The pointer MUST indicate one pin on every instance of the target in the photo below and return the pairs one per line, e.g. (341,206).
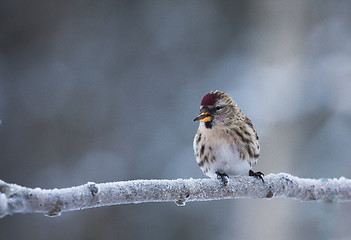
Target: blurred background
(107,91)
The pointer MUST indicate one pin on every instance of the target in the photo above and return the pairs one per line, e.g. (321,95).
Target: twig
(18,199)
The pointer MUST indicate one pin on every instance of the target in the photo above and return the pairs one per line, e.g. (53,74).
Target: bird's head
(217,108)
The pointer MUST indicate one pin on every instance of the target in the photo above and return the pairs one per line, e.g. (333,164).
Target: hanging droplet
(53,214)
(180,202)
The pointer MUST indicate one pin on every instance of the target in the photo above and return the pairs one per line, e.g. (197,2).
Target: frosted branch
(52,202)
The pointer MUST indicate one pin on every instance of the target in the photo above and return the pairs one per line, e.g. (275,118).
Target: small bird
(226,142)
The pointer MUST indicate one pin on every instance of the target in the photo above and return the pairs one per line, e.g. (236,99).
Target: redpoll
(226,142)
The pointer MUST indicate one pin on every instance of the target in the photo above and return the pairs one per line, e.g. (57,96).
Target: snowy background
(107,90)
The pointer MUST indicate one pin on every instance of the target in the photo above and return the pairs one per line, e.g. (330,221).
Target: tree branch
(52,202)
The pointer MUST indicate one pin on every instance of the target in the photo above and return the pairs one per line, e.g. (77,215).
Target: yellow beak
(204,117)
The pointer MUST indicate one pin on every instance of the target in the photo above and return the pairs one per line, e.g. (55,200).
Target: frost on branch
(52,202)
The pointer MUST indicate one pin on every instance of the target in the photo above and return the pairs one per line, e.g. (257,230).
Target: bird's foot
(223,177)
(256,175)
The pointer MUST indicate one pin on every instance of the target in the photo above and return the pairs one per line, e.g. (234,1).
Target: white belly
(228,161)
(224,149)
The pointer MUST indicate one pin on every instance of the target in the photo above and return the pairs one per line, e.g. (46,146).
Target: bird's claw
(223,177)
(256,175)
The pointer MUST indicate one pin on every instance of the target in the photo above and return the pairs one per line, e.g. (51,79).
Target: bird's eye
(219,108)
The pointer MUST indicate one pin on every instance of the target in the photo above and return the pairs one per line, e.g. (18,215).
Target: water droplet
(269,194)
(53,214)
(180,202)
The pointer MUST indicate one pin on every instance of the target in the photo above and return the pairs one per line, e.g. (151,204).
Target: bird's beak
(204,117)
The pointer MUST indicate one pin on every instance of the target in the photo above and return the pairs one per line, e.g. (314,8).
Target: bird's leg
(256,175)
(223,177)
